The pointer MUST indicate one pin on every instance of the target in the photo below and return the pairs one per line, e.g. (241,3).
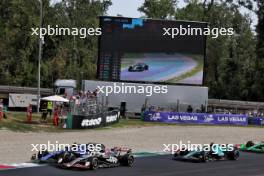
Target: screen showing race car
(162,67)
(137,50)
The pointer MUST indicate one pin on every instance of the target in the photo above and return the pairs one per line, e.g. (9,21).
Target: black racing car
(94,160)
(139,67)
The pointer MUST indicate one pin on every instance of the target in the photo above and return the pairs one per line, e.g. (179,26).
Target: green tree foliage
(230,66)
(63,56)
(17,48)
(234,68)
(259,77)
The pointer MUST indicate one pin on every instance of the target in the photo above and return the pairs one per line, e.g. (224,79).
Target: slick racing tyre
(94,164)
(205,157)
(233,155)
(128,160)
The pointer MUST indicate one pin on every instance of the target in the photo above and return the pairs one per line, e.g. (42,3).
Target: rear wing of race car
(122,149)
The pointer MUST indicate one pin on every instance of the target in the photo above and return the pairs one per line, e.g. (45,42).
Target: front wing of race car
(46,157)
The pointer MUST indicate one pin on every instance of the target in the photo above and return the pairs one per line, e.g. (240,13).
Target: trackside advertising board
(196,118)
(95,121)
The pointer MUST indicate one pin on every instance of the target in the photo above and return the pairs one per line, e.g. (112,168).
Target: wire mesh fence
(88,105)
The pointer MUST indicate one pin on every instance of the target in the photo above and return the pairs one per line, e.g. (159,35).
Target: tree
(230,60)
(258,87)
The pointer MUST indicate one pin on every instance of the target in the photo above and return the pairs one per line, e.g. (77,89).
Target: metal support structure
(40,54)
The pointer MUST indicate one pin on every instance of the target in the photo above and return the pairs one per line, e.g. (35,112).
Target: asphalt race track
(162,67)
(249,164)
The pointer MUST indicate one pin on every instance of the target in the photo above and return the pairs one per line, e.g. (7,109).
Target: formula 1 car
(205,156)
(94,160)
(139,67)
(252,147)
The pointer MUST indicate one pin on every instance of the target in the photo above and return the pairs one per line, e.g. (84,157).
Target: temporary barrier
(196,118)
(259,121)
(95,121)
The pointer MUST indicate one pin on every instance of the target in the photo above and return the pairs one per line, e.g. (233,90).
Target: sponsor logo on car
(112,159)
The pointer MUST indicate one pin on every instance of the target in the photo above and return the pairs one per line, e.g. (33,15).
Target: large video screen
(136,50)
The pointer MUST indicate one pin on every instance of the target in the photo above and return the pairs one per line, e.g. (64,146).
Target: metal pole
(40,54)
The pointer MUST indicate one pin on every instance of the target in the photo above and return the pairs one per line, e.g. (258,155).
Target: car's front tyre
(94,164)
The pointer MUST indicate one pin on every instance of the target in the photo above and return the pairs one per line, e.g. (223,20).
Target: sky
(121,7)
(128,8)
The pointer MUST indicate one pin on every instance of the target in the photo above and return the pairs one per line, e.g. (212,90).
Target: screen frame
(151,82)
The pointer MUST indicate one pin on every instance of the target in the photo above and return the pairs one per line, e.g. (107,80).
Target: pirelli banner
(95,121)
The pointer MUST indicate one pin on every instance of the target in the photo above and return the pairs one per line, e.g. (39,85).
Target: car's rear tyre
(233,155)
(129,68)
(128,160)
(94,164)
(205,157)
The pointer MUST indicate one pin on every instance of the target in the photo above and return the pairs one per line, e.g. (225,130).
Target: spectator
(63,115)
(202,108)
(44,112)
(89,94)
(189,109)
(95,92)
(1,109)
(56,116)
(29,113)
(49,108)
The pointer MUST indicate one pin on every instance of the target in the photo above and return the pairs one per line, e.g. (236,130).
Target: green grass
(191,73)
(137,123)
(126,123)
(14,126)
(16,122)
